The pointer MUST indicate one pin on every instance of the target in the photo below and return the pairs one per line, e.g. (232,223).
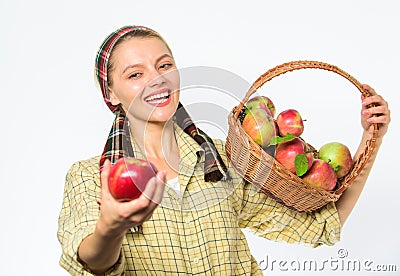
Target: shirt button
(187,220)
(196,260)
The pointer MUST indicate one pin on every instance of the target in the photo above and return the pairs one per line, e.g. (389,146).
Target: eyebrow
(136,65)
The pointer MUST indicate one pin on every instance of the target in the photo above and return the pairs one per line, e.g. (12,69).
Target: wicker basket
(262,170)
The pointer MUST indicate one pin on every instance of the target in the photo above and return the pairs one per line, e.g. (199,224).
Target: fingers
(152,194)
(155,188)
(379,120)
(377,100)
(375,110)
(369,89)
(374,104)
(142,208)
(376,114)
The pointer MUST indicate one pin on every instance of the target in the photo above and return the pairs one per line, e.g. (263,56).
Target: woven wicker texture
(272,178)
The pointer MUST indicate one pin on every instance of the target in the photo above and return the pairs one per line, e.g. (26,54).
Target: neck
(155,139)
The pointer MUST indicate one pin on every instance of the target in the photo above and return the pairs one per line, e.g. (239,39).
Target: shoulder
(82,177)
(85,167)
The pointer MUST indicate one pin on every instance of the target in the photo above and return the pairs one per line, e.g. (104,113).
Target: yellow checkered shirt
(195,233)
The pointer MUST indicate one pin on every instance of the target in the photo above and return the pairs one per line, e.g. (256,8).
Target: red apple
(128,178)
(338,156)
(290,122)
(259,125)
(261,102)
(287,151)
(321,175)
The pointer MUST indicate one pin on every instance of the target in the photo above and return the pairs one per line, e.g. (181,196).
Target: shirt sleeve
(79,214)
(274,221)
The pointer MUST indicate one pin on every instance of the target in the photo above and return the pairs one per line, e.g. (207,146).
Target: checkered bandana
(118,144)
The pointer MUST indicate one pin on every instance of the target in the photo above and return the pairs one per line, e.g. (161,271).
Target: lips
(159,98)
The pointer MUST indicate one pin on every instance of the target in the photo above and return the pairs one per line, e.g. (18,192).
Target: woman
(196,228)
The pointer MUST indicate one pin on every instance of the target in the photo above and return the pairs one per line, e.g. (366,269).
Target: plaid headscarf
(119,145)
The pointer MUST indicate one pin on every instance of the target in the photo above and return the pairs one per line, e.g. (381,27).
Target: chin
(162,115)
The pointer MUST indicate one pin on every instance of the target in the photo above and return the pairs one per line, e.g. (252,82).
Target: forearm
(349,197)
(100,250)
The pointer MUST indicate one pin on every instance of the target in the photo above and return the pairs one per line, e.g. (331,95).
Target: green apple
(338,156)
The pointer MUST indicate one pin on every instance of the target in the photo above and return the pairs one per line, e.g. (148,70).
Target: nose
(156,78)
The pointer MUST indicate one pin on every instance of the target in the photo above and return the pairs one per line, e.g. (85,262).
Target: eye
(135,75)
(166,65)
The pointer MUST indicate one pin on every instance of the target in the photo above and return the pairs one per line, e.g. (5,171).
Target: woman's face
(145,80)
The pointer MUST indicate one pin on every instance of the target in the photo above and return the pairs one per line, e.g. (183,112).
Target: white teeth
(157,96)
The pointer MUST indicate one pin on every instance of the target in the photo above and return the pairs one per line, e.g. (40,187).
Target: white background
(52,113)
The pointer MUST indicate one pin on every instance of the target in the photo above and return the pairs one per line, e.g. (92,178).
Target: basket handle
(304,64)
(296,65)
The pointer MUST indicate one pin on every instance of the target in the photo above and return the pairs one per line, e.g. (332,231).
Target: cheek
(173,79)
(129,92)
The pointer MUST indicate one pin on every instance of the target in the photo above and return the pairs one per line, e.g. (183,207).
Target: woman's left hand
(377,114)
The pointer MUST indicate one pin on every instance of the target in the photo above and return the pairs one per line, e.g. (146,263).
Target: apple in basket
(321,175)
(261,102)
(128,177)
(260,126)
(287,154)
(338,156)
(290,122)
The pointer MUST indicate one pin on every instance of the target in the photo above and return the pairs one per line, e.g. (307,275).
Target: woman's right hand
(117,217)
(101,250)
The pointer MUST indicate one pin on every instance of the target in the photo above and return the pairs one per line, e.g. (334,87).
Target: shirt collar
(188,147)
(196,152)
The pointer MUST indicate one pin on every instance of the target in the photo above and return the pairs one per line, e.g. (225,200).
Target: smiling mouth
(159,98)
